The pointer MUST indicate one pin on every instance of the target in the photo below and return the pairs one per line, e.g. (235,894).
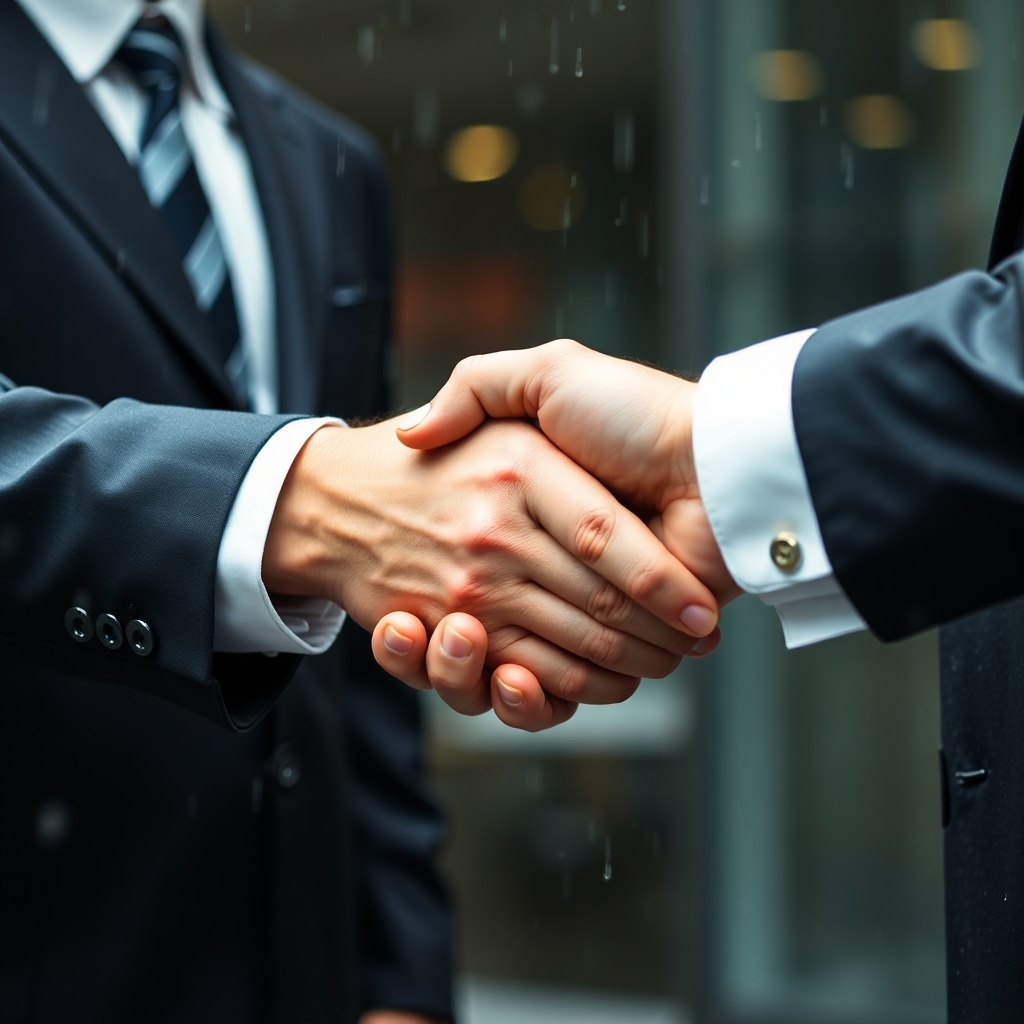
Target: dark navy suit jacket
(910,422)
(156,861)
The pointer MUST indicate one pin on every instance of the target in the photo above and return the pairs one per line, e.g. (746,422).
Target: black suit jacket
(157,863)
(910,422)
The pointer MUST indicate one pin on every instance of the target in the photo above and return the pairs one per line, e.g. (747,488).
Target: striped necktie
(153,53)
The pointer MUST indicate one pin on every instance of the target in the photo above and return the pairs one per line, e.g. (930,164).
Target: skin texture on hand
(628,424)
(500,525)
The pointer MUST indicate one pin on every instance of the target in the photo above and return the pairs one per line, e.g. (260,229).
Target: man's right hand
(566,582)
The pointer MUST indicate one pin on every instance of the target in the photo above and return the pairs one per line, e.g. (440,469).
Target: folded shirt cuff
(246,617)
(754,488)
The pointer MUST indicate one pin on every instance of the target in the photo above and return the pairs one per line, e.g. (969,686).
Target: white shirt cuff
(246,619)
(753,486)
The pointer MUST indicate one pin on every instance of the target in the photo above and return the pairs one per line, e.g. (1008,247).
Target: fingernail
(509,694)
(698,620)
(414,418)
(455,645)
(395,642)
(703,646)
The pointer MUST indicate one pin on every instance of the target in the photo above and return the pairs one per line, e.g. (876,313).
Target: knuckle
(611,606)
(646,581)
(593,532)
(467,589)
(604,647)
(571,683)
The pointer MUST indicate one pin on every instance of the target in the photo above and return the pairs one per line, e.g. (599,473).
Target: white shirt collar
(87,33)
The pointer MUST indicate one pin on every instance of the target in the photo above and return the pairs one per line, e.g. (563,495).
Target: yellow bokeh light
(945,44)
(481,152)
(879,121)
(786,75)
(552,197)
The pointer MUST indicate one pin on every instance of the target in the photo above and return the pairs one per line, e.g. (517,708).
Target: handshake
(549,568)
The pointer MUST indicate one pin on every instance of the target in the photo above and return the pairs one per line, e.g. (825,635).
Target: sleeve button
(785,552)
(109,631)
(140,637)
(78,624)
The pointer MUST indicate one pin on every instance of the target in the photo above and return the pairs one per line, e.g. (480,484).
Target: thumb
(495,384)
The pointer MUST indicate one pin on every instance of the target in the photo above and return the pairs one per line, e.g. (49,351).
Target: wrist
(294,556)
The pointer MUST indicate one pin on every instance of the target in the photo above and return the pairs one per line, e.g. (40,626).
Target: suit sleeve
(910,422)
(119,511)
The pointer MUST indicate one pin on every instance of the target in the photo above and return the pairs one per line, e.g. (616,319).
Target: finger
(706,644)
(399,644)
(560,673)
(556,570)
(588,522)
(548,616)
(455,664)
(519,700)
(497,384)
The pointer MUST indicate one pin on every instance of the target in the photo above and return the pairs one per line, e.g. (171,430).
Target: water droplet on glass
(553,63)
(621,5)
(607,873)
(579,62)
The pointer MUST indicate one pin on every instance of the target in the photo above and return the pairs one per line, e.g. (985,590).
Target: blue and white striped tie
(152,51)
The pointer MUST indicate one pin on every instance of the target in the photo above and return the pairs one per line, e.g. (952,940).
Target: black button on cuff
(108,629)
(140,637)
(78,624)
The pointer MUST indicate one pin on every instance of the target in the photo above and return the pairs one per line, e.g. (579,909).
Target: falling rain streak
(607,873)
(553,62)
(579,61)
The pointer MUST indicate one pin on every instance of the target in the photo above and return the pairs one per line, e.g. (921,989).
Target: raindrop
(621,5)
(757,132)
(426,115)
(579,61)
(510,68)
(607,873)
(846,164)
(705,190)
(248,18)
(735,165)
(553,63)
(502,31)
(624,142)
(365,43)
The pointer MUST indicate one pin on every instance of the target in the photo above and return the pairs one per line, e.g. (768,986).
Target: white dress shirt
(86,35)
(753,485)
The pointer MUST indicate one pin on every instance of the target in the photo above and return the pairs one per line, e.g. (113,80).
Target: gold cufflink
(785,552)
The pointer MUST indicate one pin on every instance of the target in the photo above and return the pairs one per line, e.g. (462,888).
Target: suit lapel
(280,160)
(46,118)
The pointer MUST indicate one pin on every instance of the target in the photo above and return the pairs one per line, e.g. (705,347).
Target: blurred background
(758,838)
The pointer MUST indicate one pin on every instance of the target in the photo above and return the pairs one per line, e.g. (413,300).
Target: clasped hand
(628,425)
(545,569)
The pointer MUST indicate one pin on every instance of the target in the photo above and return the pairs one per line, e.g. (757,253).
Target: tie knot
(152,51)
